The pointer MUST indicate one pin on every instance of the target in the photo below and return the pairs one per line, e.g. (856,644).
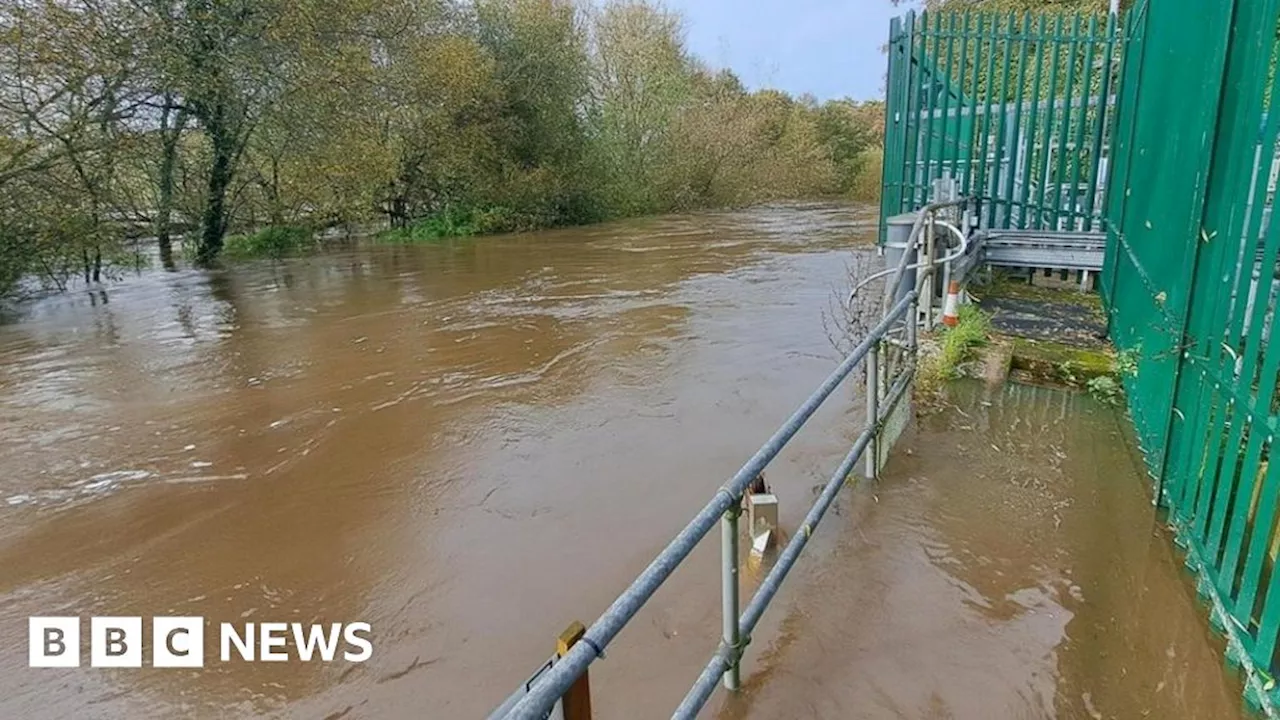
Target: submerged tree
(227,65)
(196,119)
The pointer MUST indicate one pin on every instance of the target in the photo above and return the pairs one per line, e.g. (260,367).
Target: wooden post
(576,702)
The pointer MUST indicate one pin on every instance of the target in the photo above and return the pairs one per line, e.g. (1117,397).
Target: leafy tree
(641,79)
(271,119)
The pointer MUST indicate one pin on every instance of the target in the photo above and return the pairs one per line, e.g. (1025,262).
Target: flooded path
(470,445)
(1007,565)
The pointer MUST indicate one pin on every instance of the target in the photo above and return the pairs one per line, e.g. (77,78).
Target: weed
(1127,362)
(955,346)
(1106,389)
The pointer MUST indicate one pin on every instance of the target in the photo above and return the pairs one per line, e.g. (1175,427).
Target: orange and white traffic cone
(951,310)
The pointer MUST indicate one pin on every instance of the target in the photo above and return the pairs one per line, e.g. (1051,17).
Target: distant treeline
(253,124)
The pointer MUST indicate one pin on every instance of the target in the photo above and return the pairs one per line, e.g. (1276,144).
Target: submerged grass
(454,221)
(275,242)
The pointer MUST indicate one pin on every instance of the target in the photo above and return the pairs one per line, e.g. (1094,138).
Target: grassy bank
(459,221)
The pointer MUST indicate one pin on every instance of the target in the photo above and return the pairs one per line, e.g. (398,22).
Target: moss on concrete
(1058,363)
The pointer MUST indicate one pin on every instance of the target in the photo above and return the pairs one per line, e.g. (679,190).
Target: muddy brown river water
(471,444)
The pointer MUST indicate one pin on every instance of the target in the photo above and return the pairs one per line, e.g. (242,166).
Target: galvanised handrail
(550,684)
(726,657)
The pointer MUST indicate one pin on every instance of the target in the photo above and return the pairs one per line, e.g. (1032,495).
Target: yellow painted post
(577,702)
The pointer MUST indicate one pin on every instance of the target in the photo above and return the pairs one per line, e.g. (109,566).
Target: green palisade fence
(1158,128)
(1191,287)
(1018,108)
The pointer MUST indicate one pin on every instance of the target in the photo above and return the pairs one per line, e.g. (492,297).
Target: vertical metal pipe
(927,269)
(971,136)
(1045,169)
(913,327)
(1078,155)
(1033,127)
(1017,155)
(996,192)
(911,117)
(873,410)
(1104,109)
(883,362)
(946,277)
(729,593)
(1060,176)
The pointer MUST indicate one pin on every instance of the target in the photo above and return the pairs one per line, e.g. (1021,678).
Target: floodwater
(470,445)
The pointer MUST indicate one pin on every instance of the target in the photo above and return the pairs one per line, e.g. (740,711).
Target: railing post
(873,410)
(729,593)
(913,327)
(576,703)
(885,363)
(927,270)
(946,273)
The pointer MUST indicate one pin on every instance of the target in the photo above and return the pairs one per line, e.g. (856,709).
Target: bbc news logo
(178,642)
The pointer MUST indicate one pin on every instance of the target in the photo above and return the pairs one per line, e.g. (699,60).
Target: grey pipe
(729,589)
(873,405)
(892,286)
(964,250)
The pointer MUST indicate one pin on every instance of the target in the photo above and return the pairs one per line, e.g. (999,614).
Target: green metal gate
(1190,287)
(1016,107)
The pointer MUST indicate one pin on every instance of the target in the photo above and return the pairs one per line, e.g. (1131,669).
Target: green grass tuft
(275,242)
(454,222)
(959,342)
(955,346)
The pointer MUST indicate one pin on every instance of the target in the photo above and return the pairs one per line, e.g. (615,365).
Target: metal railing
(888,350)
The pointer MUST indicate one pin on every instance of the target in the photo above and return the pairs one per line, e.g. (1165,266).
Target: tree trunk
(214,224)
(170,134)
(277,209)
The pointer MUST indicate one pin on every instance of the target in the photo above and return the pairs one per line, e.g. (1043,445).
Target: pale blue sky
(830,48)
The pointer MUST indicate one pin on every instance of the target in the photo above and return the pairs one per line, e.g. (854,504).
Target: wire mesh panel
(1191,288)
(1016,107)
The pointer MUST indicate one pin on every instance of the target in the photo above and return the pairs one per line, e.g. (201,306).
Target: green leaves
(442,118)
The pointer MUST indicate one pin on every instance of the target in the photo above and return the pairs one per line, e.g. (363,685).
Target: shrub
(276,241)
(866,184)
(454,221)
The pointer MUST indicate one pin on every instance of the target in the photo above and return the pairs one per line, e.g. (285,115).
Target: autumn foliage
(190,121)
